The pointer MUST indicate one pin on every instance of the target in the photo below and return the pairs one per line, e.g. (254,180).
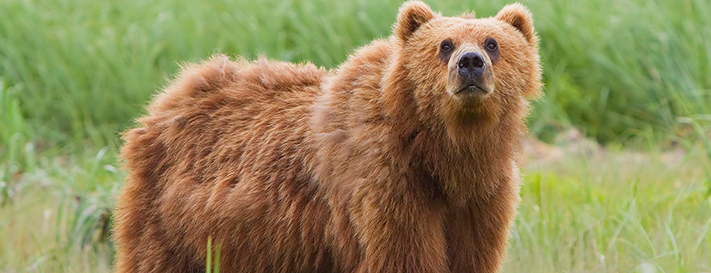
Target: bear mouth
(471,89)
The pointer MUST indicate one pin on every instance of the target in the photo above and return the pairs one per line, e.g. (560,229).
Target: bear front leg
(477,235)
(399,230)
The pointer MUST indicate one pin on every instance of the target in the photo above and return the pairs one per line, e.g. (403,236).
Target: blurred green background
(632,75)
(615,69)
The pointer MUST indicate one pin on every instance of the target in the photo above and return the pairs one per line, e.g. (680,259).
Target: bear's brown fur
(399,161)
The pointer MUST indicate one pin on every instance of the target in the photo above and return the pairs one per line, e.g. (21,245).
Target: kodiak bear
(400,160)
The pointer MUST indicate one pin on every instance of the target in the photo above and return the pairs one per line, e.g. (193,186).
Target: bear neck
(466,156)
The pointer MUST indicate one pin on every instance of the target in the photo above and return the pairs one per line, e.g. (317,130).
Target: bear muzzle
(471,75)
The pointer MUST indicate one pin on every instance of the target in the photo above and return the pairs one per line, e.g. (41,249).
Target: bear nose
(471,65)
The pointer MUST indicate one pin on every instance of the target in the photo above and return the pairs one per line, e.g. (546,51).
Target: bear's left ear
(411,16)
(520,18)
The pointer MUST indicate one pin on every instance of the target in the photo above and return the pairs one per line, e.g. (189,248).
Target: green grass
(212,264)
(609,212)
(592,215)
(619,70)
(628,73)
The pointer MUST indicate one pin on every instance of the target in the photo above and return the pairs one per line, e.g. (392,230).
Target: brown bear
(401,160)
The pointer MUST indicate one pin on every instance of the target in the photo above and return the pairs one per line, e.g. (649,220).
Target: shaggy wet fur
(372,168)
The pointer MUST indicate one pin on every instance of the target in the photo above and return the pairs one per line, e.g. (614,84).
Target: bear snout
(472,75)
(471,65)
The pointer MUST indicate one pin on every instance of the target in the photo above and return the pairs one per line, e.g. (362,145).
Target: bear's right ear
(411,16)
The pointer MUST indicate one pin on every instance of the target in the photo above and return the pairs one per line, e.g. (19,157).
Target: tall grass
(11,137)
(579,214)
(58,215)
(591,215)
(624,69)
(617,69)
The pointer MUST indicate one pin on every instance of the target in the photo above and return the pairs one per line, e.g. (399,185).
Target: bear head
(466,69)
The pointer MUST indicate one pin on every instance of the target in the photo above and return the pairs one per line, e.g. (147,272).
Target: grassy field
(630,74)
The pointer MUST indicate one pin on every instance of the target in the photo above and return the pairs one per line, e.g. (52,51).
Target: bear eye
(446,45)
(492,48)
(445,50)
(491,44)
